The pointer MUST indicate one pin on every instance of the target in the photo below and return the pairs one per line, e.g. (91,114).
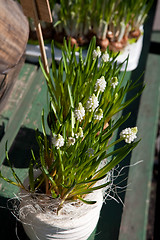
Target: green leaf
(44,131)
(13,172)
(116,160)
(70,96)
(9,181)
(54,68)
(89,190)
(54,195)
(92,180)
(66,49)
(86,201)
(47,173)
(119,122)
(57,23)
(31,175)
(65,62)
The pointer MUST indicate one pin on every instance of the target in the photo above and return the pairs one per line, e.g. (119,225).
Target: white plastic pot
(132,50)
(74,222)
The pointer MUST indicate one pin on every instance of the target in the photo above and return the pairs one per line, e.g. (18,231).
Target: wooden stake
(40,37)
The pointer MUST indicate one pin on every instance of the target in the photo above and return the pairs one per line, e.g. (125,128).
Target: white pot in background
(133,50)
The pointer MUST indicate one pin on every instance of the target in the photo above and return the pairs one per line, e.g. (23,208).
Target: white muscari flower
(79,112)
(98,114)
(92,103)
(71,141)
(100,84)
(129,134)
(114,82)
(79,133)
(105,57)
(58,141)
(97,53)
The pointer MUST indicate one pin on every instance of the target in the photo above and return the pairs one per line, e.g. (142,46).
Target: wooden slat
(27,73)
(7,82)
(23,120)
(135,215)
(43,6)
(14,32)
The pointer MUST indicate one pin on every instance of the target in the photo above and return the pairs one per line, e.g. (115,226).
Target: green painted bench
(22,115)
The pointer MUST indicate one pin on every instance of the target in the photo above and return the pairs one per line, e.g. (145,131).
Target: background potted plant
(63,194)
(115,24)
(110,21)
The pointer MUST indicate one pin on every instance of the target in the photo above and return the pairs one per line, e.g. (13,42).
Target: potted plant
(117,24)
(63,194)
(113,20)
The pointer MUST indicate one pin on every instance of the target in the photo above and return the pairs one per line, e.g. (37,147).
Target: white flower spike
(105,57)
(97,53)
(98,114)
(71,141)
(79,112)
(114,82)
(58,141)
(129,134)
(100,84)
(79,133)
(92,103)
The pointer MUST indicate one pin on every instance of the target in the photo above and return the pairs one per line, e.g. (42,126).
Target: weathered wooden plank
(32,119)
(14,32)
(156,39)
(135,214)
(26,72)
(43,7)
(20,153)
(20,108)
(34,98)
(7,82)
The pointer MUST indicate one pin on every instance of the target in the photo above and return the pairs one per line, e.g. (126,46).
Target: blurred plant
(106,19)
